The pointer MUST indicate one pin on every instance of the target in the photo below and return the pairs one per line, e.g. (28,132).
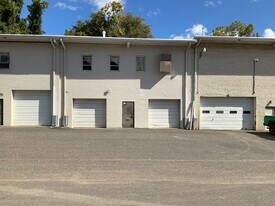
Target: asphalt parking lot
(42,166)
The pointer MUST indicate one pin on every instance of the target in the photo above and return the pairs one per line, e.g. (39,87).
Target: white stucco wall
(30,69)
(127,84)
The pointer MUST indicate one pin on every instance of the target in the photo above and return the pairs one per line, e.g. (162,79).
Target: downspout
(185,80)
(64,118)
(54,123)
(195,85)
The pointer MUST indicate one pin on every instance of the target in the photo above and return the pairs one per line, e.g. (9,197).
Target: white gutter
(186,90)
(195,84)
(53,77)
(96,40)
(233,39)
(64,77)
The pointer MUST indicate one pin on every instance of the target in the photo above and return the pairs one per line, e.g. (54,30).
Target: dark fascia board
(236,40)
(95,40)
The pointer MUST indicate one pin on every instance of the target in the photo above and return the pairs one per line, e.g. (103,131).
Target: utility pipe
(185,79)
(195,84)
(53,77)
(64,77)
(256,60)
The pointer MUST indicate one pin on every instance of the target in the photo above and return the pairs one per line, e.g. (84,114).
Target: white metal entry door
(227,113)
(89,113)
(164,114)
(31,108)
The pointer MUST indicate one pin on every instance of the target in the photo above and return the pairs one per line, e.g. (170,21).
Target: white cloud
(101,3)
(154,13)
(212,3)
(66,6)
(196,30)
(269,33)
(174,36)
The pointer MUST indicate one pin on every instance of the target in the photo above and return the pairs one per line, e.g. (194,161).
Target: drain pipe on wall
(64,118)
(192,126)
(185,79)
(54,116)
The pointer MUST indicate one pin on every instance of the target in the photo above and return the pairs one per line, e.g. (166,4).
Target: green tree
(34,19)
(237,28)
(134,27)
(19,4)
(10,21)
(112,19)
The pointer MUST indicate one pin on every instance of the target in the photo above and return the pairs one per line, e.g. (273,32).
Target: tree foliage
(12,23)
(112,19)
(237,28)
(34,19)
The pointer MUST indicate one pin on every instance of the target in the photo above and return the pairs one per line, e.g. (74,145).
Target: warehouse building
(96,82)
(92,82)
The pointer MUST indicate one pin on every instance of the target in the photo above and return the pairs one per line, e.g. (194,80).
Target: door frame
(2,114)
(134,112)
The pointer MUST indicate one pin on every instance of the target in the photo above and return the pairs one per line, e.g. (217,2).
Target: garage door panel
(227,113)
(31,108)
(89,113)
(217,119)
(164,114)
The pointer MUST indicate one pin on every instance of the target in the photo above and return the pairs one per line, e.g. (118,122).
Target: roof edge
(233,39)
(95,39)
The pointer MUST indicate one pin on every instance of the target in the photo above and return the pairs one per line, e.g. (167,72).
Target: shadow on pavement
(264,135)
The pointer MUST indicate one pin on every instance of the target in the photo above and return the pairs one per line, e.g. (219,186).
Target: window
(87,62)
(219,112)
(114,63)
(140,63)
(246,112)
(233,112)
(4,60)
(206,112)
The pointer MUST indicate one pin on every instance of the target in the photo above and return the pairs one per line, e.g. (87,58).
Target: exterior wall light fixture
(204,50)
(128,44)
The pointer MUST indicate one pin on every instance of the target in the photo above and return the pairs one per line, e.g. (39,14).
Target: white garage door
(227,113)
(31,108)
(164,114)
(89,113)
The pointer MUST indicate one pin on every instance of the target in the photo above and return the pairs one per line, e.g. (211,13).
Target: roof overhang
(95,40)
(236,40)
(135,41)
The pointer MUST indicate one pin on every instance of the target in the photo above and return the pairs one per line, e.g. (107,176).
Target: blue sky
(168,18)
